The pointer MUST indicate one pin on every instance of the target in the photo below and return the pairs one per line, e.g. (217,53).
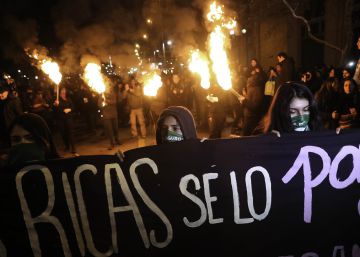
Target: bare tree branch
(306,22)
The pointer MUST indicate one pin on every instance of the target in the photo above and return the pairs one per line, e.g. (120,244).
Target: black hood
(184,118)
(38,128)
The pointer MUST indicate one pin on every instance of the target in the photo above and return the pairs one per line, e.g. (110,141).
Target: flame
(94,78)
(52,70)
(216,12)
(217,45)
(200,65)
(47,65)
(152,83)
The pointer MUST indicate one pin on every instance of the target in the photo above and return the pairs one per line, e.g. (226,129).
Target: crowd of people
(260,102)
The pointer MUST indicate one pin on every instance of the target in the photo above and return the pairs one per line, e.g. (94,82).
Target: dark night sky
(72,29)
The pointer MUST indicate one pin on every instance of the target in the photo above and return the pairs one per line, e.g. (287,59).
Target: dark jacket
(287,72)
(183,117)
(109,111)
(68,104)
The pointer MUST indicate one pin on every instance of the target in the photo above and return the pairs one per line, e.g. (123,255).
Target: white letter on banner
(303,160)
(2,250)
(236,201)
(339,248)
(356,251)
(131,207)
(209,199)
(70,203)
(249,190)
(355,173)
(183,188)
(83,213)
(45,217)
(149,203)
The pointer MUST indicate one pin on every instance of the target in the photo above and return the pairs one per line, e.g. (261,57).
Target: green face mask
(173,137)
(300,122)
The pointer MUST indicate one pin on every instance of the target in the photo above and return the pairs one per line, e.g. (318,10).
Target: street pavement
(96,143)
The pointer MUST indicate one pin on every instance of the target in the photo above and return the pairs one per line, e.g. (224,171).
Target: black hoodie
(183,117)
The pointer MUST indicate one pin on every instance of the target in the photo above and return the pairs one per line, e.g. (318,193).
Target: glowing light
(149,21)
(94,78)
(145,36)
(351,64)
(219,59)
(215,13)
(169,42)
(137,45)
(217,44)
(200,65)
(152,83)
(19,71)
(232,32)
(243,31)
(47,65)
(52,70)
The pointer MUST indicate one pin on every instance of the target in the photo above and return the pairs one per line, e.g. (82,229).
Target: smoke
(102,29)
(179,21)
(16,36)
(111,28)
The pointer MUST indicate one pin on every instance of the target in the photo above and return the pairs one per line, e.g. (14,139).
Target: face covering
(22,153)
(171,136)
(300,122)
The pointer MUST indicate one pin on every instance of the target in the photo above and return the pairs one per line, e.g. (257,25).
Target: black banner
(297,195)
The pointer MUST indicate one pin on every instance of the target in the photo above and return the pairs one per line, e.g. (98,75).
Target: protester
(10,108)
(180,93)
(65,108)
(253,104)
(357,70)
(176,123)
(218,107)
(31,140)
(327,100)
(348,107)
(287,69)
(108,105)
(292,109)
(41,106)
(134,94)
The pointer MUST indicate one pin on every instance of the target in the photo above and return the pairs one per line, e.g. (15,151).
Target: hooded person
(175,123)
(31,140)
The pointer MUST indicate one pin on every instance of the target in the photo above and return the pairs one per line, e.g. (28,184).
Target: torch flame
(94,78)
(216,12)
(217,45)
(52,70)
(200,65)
(152,85)
(47,65)
(219,59)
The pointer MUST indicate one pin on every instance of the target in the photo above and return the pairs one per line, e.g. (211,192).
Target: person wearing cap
(10,108)
(175,124)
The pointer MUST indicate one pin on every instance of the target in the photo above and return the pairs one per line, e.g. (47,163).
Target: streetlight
(149,21)
(243,31)
(145,36)
(169,42)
